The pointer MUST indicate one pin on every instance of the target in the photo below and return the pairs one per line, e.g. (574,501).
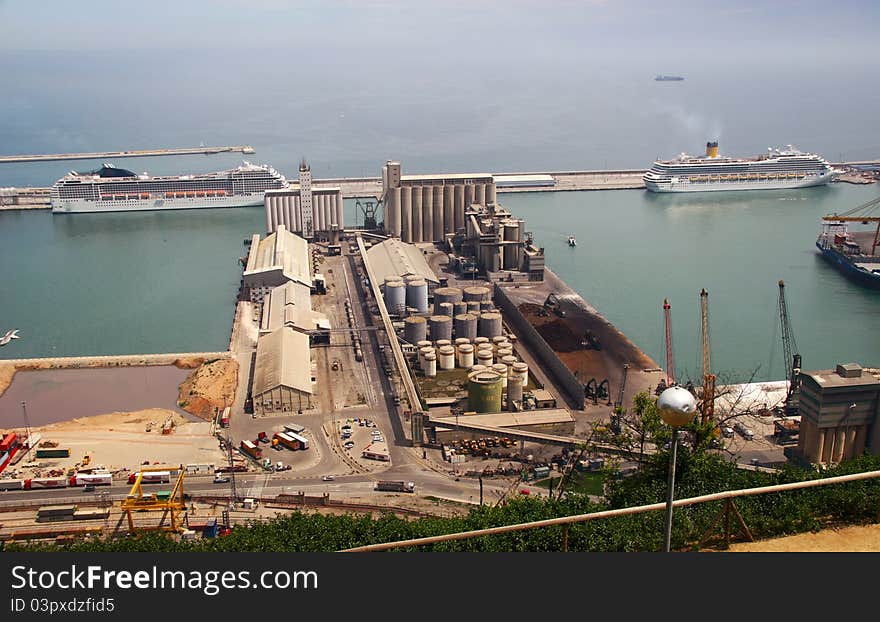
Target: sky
(362,31)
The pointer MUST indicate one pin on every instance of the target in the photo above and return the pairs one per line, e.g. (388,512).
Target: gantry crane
(168,502)
(707,407)
(862,214)
(792,358)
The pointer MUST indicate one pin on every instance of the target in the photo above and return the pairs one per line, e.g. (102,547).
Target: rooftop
(395,258)
(281,250)
(283,359)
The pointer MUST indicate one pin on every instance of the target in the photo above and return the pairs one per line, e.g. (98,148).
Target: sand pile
(7,371)
(211,385)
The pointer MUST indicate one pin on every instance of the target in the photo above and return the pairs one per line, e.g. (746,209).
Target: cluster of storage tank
(426,213)
(467,313)
(402,294)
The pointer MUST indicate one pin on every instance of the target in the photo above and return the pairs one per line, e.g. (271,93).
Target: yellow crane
(171,503)
(863,214)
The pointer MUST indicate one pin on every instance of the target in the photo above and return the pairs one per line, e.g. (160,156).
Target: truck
(248,448)
(285,439)
(395,486)
(224,418)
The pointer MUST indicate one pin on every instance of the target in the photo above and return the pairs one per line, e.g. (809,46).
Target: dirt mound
(7,371)
(211,385)
(188,363)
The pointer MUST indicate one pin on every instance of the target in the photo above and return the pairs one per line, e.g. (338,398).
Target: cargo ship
(668,78)
(854,253)
(779,168)
(111,189)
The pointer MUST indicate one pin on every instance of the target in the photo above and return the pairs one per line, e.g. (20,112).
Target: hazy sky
(489,30)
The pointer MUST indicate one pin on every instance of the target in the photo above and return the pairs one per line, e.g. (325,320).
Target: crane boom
(708,405)
(670,363)
(789,349)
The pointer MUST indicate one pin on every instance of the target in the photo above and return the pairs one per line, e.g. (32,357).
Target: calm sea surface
(159,282)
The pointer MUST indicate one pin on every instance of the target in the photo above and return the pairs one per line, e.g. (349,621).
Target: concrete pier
(51,157)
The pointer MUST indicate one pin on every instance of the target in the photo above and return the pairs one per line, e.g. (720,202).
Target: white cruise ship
(112,189)
(780,168)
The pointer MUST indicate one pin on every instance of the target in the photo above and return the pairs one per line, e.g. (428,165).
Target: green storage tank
(484,391)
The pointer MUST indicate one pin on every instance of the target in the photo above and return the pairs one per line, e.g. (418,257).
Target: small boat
(572,241)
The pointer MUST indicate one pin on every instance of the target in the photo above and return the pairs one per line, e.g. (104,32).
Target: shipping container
(287,440)
(11,484)
(248,448)
(9,441)
(45,482)
(94,479)
(303,441)
(151,477)
(54,452)
(56,510)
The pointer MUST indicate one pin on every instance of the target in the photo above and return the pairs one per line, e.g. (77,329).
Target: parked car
(89,488)
(744,431)
(348,445)
(221,479)
(727,431)
(328,478)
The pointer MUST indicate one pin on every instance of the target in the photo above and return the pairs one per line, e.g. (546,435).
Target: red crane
(670,364)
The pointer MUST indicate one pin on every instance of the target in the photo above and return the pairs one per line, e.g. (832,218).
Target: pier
(52,157)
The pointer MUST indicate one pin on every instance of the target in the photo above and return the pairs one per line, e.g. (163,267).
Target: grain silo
(473,307)
(459,308)
(416,218)
(521,370)
(487,305)
(466,355)
(466,326)
(489,324)
(423,355)
(417,295)
(514,391)
(484,391)
(440,327)
(478,340)
(445,308)
(446,294)
(461,340)
(484,357)
(406,214)
(415,329)
(477,367)
(446,356)
(476,293)
(501,370)
(512,252)
(443,342)
(430,367)
(395,297)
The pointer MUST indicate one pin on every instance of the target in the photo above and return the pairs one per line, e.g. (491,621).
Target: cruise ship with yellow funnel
(779,168)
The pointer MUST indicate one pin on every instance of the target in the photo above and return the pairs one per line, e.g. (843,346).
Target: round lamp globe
(677,406)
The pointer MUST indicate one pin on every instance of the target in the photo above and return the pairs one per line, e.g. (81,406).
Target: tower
(305,197)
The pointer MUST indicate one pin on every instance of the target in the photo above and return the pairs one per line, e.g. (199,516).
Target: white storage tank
(501,370)
(500,353)
(478,367)
(417,295)
(415,329)
(522,370)
(484,357)
(423,355)
(478,340)
(466,355)
(461,340)
(440,327)
(430,367)
(395,297)
(443,342)
(446,357)
(487,305)
(514,391)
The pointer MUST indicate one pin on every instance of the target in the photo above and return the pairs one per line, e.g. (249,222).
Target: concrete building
(393,258)
(839,410)
(278,259)
(282,373)
(290,305)
(312,212)
(426,208)
(556,421)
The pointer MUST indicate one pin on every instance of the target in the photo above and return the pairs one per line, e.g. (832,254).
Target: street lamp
(677,407)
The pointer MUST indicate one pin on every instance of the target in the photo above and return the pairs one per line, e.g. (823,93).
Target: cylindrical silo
(416,221)
(514,391)
(424,343)
(395,297)
(497,339)
(484,357)
(501,370)
(521,370)
(509,360)
(503,353)
(473,307)
(494,263)
(340,210)
(406,214)
(466,326)
(487,305)
(445,308)
(392,212)
(438,213)
(458,206)
(443,342)
(415,329)
(466,355)
(480,194)
(489,325)
(449,209)
(423,354)
(484,392)
(461,341)
(459,308)
(446,294)
(475,293)
(490,192)
(427,213)
(478,340)
(477,367)
(430,365)
(446,357)
(468,196)
(440,327)
(417,295)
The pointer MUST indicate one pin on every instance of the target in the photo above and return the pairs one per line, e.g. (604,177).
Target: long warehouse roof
(281,250)
(290,305)
(395,258)
(283,360)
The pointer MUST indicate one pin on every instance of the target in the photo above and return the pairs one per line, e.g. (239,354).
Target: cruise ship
(111,189)
(780,168)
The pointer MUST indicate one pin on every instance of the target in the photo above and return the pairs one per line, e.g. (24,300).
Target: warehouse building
(290,305)
(839,410)
(312,212)
(278,259)
(393,258)
(282,373)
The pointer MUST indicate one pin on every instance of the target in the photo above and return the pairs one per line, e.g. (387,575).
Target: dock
(52,157)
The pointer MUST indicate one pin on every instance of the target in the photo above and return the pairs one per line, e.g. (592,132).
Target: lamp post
(677,407)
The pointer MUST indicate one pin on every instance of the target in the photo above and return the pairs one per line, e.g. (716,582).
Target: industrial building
(393,258)
(282,373)
(312,212)
(290,305)
(555,421)
(839,410)
(426,208)
(278,259)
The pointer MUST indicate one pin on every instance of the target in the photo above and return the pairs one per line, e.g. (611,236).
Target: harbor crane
(170,503)
(670,363)
(707,407)
(863,214)
(368,209)
(792,358)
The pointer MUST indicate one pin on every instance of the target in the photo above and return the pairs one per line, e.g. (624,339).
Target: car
(89,488)
(744,431)
(396,401)
(348,445)
(221,479)
(524,492)
(328,478)
(727,431)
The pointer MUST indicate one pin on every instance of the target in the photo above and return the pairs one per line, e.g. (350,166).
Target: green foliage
(698,473)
